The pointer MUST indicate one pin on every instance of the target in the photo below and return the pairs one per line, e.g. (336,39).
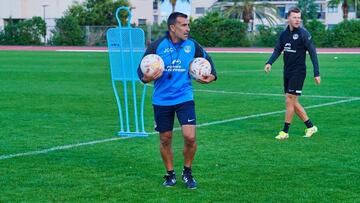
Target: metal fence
(93,35)
(96,35)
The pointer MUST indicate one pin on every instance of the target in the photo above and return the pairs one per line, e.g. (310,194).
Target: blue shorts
(165,115)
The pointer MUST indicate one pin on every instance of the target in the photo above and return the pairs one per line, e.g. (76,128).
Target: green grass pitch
(53,99)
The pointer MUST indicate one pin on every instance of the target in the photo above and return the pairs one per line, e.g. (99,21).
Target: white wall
(143,9)
(335,18)
(200,3)
(25,9)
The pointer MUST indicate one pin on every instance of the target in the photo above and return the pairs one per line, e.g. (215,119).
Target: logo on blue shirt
(187,49)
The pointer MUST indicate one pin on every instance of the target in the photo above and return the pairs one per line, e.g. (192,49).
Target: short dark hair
(172,18)
(294,10)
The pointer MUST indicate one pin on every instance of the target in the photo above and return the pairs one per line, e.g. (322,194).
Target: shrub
(213,30)
(27,32)
(318,33)
(267,36)
(67,32)
(346,34)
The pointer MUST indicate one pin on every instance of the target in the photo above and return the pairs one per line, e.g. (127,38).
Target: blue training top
(174,86)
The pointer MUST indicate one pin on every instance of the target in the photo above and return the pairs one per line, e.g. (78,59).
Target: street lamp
(44,8)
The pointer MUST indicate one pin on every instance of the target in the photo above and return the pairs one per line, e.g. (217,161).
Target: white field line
(70,146)
(269,52)
(222,51)
(250,71)
(267,94)
(246,71)
(274,112)
(57,148)
(270,94)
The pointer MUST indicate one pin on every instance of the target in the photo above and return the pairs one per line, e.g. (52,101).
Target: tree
(32,30)
(318,32)
(67,32)
(246,9)
(27,32)
(173,3)
(214,30)
(267,36)
(344,6)
(308,10)
(97,12)
(346,34)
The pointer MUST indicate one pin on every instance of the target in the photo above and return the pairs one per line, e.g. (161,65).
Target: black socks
(187,169)
(172,172)
(286,127)
(308,124)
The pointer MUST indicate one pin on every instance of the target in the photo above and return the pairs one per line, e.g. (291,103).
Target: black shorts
(293,83)
(165,115)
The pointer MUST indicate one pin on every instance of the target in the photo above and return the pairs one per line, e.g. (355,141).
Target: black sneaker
(170,180)
(189,180)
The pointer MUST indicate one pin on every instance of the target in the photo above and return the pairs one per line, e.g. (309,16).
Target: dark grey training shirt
(295,44)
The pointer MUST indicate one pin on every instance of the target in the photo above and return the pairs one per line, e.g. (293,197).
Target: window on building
(351,8)
(12,20)
(155,5)
(319,8)
(331,26)
(156,19)
(320,11)
(281,11)
(141,21)
(200,10)
(332,9)
(321,15)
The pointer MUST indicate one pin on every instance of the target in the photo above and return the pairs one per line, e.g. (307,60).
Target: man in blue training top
(173,93)
(295,41)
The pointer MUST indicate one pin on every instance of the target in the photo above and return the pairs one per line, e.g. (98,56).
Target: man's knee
(290,99)
(165,138)
(190,140)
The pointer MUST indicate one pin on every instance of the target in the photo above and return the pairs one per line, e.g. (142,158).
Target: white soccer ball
(200,67)
(150,63)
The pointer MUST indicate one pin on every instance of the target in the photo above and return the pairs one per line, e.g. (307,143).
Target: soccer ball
(150,63)
(200,67)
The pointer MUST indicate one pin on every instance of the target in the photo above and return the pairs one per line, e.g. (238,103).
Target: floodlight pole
(44,12)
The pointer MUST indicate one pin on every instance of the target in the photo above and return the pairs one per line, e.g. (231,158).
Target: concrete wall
(143,9)
(25,9)
(206,4)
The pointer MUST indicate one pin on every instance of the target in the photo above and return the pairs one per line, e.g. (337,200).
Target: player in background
(295,41)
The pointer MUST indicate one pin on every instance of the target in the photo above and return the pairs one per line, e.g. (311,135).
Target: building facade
(149,11)
(199,8)
(145,12)
(26,9)
(329,15)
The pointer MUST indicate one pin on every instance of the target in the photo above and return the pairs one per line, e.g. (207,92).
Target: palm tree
(344,6)
(246,9)
(308,10)
(173,3)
